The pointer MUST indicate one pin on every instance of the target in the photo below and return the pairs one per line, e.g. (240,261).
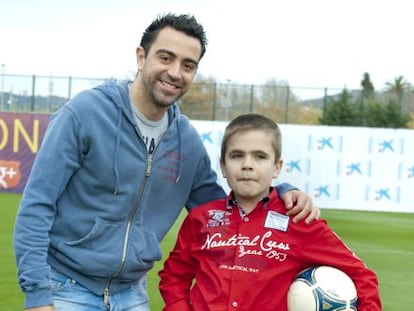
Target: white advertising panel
(339,167)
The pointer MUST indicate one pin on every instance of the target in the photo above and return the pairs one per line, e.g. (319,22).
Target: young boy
(243,252)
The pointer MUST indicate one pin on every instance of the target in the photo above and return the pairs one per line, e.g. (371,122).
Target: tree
(367,87)
(398,87)
(388,116)
(410,123)
(307,115)
(341,111)
(277,100)
(198,102)
(271,99)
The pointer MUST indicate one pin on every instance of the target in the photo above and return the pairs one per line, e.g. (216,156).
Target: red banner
(20,137)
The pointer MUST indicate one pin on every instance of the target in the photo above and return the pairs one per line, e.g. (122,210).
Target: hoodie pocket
(98,253)
(143,250)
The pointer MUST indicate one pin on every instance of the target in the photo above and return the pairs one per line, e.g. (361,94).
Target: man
(115,168)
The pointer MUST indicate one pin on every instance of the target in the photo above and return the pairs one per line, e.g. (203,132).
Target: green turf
(383,240)
(10,295)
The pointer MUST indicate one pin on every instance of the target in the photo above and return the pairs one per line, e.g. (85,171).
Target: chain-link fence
(204,101)
(31,93)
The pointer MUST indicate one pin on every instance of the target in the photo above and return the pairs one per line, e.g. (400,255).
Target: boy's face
(250,165)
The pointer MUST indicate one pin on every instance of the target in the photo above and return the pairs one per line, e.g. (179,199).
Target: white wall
(340,167)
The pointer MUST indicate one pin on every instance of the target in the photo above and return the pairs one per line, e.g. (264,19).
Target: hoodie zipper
(126,241)
(131,217)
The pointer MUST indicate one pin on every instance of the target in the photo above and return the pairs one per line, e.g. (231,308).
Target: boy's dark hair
(253,121)
(184,23)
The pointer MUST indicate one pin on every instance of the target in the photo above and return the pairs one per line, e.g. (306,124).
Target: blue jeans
(68,295)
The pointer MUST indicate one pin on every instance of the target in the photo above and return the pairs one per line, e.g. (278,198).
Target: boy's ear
(223,168)
(278,168)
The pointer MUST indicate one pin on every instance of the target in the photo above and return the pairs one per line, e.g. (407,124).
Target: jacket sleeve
(326,248)
(54,163)
(284,187)
(205,187)
(178,272)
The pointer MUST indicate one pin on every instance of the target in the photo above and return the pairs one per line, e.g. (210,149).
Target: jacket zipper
(126,237)
(131,217)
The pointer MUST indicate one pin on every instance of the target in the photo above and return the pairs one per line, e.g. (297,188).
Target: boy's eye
(262,156)
(235,155)
(238,155)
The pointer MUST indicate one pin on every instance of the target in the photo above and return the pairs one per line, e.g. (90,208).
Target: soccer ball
(322,288)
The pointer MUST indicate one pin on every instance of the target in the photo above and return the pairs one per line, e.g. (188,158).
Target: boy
(243,252)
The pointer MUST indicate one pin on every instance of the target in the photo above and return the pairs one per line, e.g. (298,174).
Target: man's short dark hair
(184,23)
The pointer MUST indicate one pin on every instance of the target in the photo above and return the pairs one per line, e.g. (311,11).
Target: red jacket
(248,263)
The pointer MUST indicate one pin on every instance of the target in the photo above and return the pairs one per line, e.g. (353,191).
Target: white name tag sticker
(275,220)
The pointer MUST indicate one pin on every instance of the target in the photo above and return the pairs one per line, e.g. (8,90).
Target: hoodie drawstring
(179,152)
(116,150)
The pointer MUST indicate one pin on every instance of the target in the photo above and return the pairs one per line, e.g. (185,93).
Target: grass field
(385,241)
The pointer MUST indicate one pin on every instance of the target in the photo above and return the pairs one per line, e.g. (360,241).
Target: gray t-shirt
(151,131)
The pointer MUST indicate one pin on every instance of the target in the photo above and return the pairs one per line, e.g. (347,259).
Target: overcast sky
(319,43)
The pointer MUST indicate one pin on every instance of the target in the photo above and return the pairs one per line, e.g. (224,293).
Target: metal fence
(204,101)
(35,93)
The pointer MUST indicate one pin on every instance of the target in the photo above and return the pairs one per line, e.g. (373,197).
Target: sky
(306,43)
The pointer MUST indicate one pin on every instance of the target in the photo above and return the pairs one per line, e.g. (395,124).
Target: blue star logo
(322,190)
(384,145)
(354,167)
(383,193)
(206,137)
(325,142)
(411,172)
(293,165)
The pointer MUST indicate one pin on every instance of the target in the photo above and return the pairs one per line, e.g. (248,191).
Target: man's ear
(140,53)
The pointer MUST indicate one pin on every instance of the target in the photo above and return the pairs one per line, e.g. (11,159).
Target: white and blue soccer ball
(322,288)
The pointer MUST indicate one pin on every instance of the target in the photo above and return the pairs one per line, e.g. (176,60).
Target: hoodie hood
(118,94)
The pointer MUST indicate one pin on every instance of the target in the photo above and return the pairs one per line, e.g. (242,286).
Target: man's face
(169,67)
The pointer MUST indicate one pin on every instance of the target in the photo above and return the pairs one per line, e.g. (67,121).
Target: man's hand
(298,203)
